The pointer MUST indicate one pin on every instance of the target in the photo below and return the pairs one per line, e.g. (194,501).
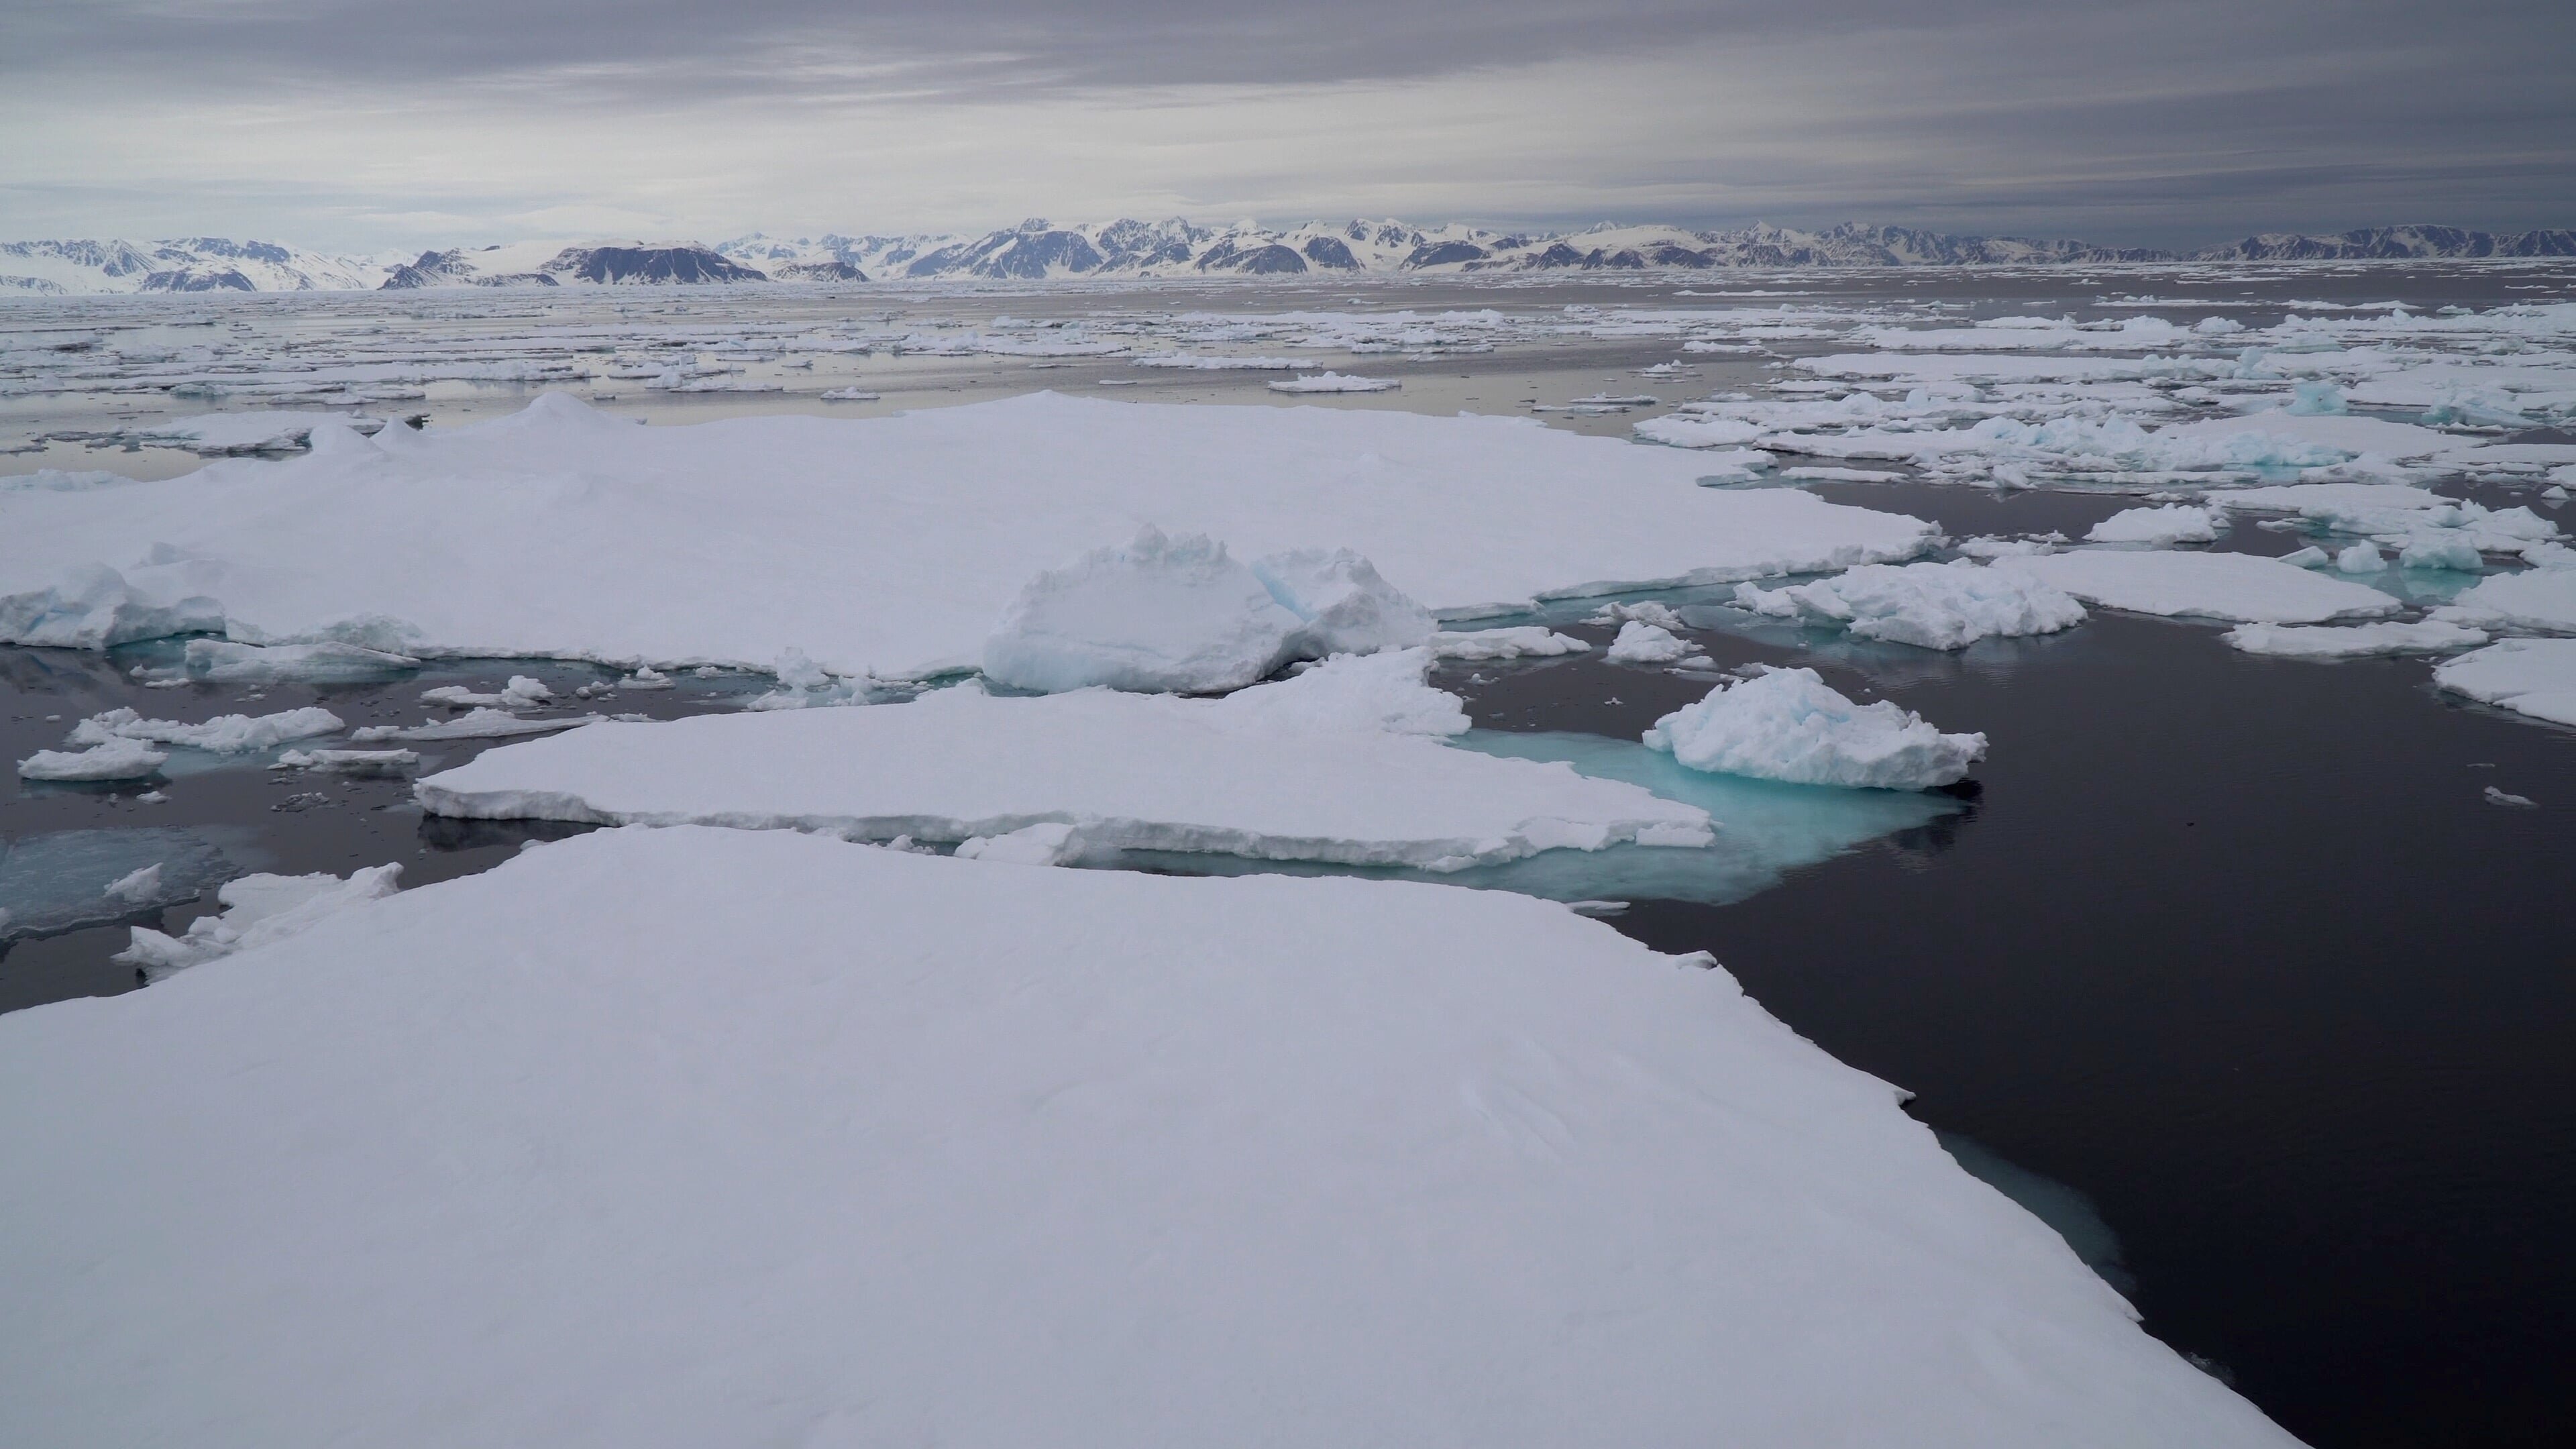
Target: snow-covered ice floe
(886,544)
(2531,599)
(1342,764)
(693,1136)
(1336,382)
(1516,641)
(2160,527)
(1933,606)
(1789,725)
(258,910)
(227,734)
(1640,642)
(2243,587)
(2536,677)
(2353,641)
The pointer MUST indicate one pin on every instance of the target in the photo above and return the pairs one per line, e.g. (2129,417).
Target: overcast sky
(366,124)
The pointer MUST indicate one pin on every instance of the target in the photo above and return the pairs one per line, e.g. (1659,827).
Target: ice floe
(2243,587)
(2160,527)
(1789,725)
(111,759)
(2536,677)
(1335,382)
(230,734)
(1516,641)
(2532,599)
(1930,605)
(883,545)
(258,910)
(1342,765)
(741,1134)
(2354,640)
(1642,643)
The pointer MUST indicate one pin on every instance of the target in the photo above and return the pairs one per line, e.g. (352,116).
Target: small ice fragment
(646,677)
(2441,549)
(1787,724)
(2495,796)
(2361,558)
(138,886)
(2160,527)
(230,734)
(1336,382)
(1642,643)
(117,759)
(2311,557)
(1512,643)
(1046,843)
(349,762)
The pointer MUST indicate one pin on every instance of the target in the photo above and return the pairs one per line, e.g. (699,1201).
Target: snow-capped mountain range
(1038,250)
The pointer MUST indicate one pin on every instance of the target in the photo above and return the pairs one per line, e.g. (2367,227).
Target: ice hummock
(1788,724)
(741,1134)
(1341,765)
(1929,605)
(1183,614)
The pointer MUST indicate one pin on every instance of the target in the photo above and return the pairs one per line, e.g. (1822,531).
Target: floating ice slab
(1929,605)
(215,434)
(697,1136)
(225,661)
(112,759)
(1789,725)
(1336,382)
(1642,643)
(225,734)
(2533,599)
(2536,677)
(2160,527)
(1517,641)
(2238,586)
(895,543)
(2353,641)
(1301,770)
(258,910)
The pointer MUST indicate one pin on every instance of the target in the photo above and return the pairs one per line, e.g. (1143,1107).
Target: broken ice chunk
(117,759)
(1787,724)
(1642,643)
(259,909)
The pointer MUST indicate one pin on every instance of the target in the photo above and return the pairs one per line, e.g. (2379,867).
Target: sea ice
(1642,643)
(216,434)
(2532,599)
(1929,605)
(1159,614)
(1342,764)
(888,546)
(138,887)
(1514,642)
(2353,641)
(223,661)
(92,606)
(2160,527)
(114,759)
(349,762)
(2495,796)
(522,692)
(1788,724)
(2536,677)
(1336,382)
(228,734)
(2238,586)
(475,724)
(699,1136)
(259,910)
(2360,558)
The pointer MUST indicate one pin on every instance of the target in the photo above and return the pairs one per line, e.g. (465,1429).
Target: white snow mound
(1788,724)
(1930,605)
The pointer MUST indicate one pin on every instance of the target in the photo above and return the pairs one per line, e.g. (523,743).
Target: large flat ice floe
(688,1137)
(2536,677)
(887,544)
(2237,586)
(1342,765)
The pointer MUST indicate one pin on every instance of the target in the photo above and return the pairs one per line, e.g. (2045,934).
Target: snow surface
(2353,641)
(1930,605)
(1341,764)
(1788,724)
(2536,677)
(887,544)
(959,1152)
(2238,586)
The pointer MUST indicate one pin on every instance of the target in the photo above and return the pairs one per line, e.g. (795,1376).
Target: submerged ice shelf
(1287,1126)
